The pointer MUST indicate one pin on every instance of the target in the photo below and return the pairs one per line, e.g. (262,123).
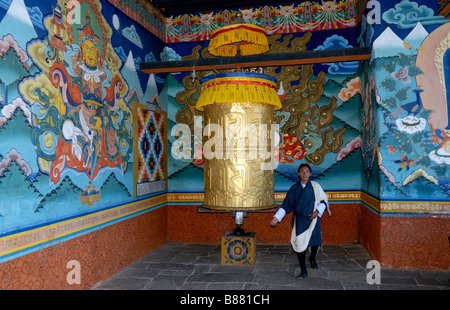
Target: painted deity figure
(82,123)
(91,112)
(434,60)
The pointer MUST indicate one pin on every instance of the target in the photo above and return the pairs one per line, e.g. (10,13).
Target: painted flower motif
(411,124)
(402,75)
(391,149)
(404,163)
(238,250)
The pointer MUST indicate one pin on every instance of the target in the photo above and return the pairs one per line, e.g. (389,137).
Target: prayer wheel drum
(237,143)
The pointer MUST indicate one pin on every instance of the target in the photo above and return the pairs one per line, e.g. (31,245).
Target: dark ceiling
(179,7)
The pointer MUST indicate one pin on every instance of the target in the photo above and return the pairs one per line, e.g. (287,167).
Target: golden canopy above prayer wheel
(238,38)
(238,140)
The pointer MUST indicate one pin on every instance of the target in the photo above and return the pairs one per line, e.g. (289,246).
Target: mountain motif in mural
(15,185)
(282,183)
(13,65)
(15,132)
(346,171)
(66,193)
(114,190)
(419,188)
(350,113)
(190,174)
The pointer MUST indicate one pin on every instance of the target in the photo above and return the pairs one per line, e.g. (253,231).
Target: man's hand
(313,215)
(274,222)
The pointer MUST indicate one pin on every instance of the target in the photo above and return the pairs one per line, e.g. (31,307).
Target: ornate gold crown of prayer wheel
(238,151)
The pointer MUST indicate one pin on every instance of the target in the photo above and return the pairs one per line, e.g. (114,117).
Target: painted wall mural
(408,75)
(68,78)
(81,119)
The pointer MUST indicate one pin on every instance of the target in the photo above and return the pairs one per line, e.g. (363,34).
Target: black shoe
(313,263)
(303,274)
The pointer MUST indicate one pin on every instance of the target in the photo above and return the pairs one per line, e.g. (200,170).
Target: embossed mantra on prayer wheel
(239,117)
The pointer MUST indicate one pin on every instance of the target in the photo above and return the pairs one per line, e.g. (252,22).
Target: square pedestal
(238,250)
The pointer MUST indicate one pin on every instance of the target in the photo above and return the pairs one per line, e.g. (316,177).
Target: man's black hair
(304,165)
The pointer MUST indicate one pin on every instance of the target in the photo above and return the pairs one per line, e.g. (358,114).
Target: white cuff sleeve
(321,207)
(280,214)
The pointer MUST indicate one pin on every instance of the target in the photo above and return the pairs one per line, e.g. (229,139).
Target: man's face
(304,174)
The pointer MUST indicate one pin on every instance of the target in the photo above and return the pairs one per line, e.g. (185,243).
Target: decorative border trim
(415,206)
(411,207)
(379,206)
(287,18)
(333,196)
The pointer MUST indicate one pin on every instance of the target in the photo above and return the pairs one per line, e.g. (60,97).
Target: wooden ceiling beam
(445,10)
(262,60)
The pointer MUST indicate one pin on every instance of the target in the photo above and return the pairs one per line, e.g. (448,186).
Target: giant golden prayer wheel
(237,147)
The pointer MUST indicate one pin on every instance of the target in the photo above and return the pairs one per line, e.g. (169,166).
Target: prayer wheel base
(238,248)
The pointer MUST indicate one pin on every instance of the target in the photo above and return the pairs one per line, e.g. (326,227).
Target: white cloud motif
(169,54)
(131,34)
(407,14)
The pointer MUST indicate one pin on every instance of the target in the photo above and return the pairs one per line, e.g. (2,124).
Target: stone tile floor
(181,266)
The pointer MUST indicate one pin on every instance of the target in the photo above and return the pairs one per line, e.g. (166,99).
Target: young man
(307,200)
